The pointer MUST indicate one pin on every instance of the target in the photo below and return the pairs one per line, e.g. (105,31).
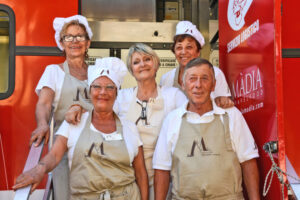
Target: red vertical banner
(247,57)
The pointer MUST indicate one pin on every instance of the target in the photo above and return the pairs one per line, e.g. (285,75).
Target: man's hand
(38,134)
(224,102)
(73,115)
(33,176)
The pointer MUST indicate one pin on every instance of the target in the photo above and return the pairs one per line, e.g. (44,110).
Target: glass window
(4,49)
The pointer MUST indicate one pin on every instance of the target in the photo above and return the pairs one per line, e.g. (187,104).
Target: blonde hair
(145,49)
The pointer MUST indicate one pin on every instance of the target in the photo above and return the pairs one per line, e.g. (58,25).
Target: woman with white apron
(104,151)
(61,85)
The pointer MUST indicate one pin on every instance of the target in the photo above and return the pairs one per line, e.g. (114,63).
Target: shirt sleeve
(180,98)
(52,78)
(63,130)
(243,141)
(221,88)
(162,158)
(132,138)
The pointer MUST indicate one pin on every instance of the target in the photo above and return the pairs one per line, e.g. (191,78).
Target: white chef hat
(59,22)
(111,67)
(186,27)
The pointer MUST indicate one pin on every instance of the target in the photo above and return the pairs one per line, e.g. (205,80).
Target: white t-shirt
(72,133)
(221,88)
(53,78)
(173,98)
(241,138)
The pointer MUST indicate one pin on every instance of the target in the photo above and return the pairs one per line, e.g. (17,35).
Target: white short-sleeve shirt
(173,98)
(72,133)
(241,138)
(221,88)
(53,78)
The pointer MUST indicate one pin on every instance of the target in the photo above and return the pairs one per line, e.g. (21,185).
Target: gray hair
(145,49)
(196,62)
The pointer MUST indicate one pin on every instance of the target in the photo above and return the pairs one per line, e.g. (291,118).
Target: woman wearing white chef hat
(187,45)
(104,151)
(61,84)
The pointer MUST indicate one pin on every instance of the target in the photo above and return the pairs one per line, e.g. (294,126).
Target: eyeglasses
(143,113)
(70,38)
(108,88)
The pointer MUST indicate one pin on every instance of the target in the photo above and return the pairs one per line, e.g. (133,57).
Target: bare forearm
(141,174)
(251,178)
(42,114)
(161,184)
(51,160)
(142,182)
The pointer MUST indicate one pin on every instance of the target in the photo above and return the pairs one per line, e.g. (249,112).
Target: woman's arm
(35,175)
(42,115)
(73,115)
(141,174)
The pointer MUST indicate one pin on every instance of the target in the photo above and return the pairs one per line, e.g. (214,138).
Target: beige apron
(101,169)
(72,89)
(204,165)
(148,128)
(176,77)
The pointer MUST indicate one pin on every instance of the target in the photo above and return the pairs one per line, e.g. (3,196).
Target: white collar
(216,110)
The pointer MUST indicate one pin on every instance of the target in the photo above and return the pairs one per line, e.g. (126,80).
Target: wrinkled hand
(73,115)
(38,134)
(224,102)
(33,176)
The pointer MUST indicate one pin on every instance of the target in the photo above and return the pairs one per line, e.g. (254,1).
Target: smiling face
(143,67)
(103,93)
(199,82)
(186,50)
(75,48)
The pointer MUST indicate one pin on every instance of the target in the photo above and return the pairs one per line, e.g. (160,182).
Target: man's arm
(251,178)
(161,184)
(42,115)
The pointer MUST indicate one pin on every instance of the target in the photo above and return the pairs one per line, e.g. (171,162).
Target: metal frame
(12,45)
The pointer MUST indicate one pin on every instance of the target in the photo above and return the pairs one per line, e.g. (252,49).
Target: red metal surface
(291,96)
(279,89)
(33,28)
(247,58)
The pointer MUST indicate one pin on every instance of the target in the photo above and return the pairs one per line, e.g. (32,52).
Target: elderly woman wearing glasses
(105,153)
(61,84)
(145,105)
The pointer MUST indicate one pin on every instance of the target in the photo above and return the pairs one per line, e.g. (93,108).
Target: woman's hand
(224,102)
(73,115)
(38,134)
(33,176)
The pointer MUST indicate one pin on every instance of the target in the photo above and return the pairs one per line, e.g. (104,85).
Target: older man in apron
(206,150)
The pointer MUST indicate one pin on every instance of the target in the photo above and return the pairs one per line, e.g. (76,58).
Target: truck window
(7,51)
(4,49)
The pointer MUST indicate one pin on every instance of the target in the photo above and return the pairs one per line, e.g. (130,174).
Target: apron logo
(83,93)
(98,148)
(236,12)
(202,147)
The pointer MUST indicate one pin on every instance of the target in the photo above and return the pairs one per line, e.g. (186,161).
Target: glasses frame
(79,38)
(108,88)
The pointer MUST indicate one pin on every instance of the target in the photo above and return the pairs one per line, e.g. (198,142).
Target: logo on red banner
(248,90)
(236,12)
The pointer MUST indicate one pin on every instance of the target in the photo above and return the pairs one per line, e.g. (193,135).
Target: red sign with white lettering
(246,43)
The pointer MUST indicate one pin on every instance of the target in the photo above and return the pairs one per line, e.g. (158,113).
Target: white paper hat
(186,27)
(111,67)
(59,22)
